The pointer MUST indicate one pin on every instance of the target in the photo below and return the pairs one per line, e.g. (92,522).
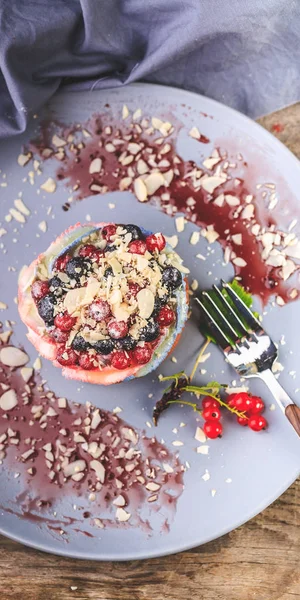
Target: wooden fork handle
(292,412)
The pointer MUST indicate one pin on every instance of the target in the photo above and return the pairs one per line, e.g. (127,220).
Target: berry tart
(106,302)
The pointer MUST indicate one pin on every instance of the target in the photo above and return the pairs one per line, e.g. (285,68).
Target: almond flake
(194,133)
(125,112)
(219,201)
(119,501)
(194,239)
(125,183)
(140,190)
(232,200)
(237,239)
(142,167)
(145,299)
(247,212)
(152,486)
(209,163)
(23,159)
(58,141)
(27,373)
(122,515)
(49,185)
(167,468)
(5,335)
(153,182)
(8,400)
(20,206)
(77,466)
(13,357)
(200,435)
(3,306)
(95,166)
(37,365)
(239,262)
(209,184)
(180,223)
(177,443)
(99,469)
(17,215)
(206,476)
(173,240)
(202,449)
(194,285)
(43,226)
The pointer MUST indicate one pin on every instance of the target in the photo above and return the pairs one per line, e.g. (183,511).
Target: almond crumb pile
(112,299)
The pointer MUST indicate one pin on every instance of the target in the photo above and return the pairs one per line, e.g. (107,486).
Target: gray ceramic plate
(260,466)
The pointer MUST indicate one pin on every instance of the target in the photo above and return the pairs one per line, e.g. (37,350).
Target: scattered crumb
(272,407)
(213,493)
(43,226)
(206,476)
(177,443)
(202,449)
(37,365)
(228,480)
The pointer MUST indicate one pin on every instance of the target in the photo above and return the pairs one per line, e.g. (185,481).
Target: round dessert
(106,302)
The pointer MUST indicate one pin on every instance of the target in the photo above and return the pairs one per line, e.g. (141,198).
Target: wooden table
(258,561)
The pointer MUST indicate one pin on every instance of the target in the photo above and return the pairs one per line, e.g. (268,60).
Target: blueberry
(110,248)
(135,231)
(55,282)
(77,267)
(104,346)
(46,308)
(80,344)
(171,278)
(108,272)
(127,343)
(158,303)
(150,332)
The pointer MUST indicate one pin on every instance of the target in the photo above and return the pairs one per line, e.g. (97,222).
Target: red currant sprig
(252,406)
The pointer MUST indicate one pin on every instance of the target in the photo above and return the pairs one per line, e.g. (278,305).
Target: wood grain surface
(258,561)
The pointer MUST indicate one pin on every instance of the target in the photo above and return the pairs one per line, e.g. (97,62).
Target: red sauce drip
(25,423)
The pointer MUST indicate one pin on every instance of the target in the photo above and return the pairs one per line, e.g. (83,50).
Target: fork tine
(249,317)
(217,332)
(232,313)
(224,321)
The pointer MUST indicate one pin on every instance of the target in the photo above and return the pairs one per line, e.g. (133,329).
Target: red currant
(99,310)
(212,429)
(243,421)
(142,354)
(39,289)
(212,413)
(97,254)
(64,321)
(117,329)
(86,361)
(87,250)
(62,262)
(60,337)
(120,360)
(241,401)
(156,241)
(257,423)
(257,406)
(108,231)
(208,402)
(134,288)
(67,357)
(166,316)
(137,247)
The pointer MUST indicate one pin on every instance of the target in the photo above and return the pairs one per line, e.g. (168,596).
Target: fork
(247,347)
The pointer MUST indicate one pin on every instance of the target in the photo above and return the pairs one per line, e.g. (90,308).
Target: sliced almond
(173,240)
(99,469)
(140,190)
(145,299)
(153,182)
(237,239)
(200,435)
(13,357)
(77,466)
(27,373)
(122,515)
(119,501)
(125,112)
(23,159)
(8,400)
(232,200)
(194,133)
(58,141)
(20,206)
(3,306)
(43,226)
(95,166)
(194,239)
(180,223)
(17,215)
(49,185)
(209,184)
